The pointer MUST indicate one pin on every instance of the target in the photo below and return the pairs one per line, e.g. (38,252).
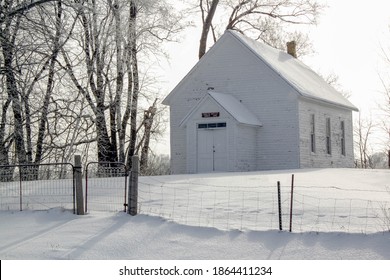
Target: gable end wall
(231,68)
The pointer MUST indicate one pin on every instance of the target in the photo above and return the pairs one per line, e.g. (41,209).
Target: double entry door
(212,148)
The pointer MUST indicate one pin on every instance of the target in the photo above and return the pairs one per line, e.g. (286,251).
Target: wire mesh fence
(37,187)
(225,209)
(220,206)
(251,207)
(106,186)
(226,204)
(313,213)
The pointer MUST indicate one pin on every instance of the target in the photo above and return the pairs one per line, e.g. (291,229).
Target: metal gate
(106,186)
(37,186)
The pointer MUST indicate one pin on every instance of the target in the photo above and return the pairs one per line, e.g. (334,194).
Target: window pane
(328,137)
(211,125)
(312,134)
(342,138)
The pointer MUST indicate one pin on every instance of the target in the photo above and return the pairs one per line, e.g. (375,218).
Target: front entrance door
(212,148)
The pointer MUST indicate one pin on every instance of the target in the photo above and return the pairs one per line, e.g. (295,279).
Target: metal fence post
(133,187)
(291,200)
(20,190)
(280,208)
(79,185)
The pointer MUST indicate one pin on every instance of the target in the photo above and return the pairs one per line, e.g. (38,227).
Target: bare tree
(8,31)
(73,76)
(363,129)
(333,80)
(149,116)
(10,9)
(385,105)
(50,84)
(28,61)
(263,19)
(385,108)
(112,36)
(207,9)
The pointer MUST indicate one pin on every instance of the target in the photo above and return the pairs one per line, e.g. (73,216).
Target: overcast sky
(347,41)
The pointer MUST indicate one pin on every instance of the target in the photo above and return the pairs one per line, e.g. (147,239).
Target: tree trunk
(148,124)
(94,57)
(4,160)
(135,78)
(8,47)
(206,27)
(115,114)
(49,87)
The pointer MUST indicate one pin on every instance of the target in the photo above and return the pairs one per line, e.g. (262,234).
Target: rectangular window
(342,126)
(211,125)
(328,137)
(312,133)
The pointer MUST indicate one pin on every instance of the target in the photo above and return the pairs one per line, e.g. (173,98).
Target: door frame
(211,126)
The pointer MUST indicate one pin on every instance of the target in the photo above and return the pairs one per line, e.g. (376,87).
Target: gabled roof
(308,83)
(231,105)
(303,79)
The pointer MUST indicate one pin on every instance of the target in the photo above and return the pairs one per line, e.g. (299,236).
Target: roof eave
(329,103)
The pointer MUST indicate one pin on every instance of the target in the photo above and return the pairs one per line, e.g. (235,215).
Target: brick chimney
(292,48)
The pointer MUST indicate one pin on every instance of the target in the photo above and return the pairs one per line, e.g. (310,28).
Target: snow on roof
(234,107)
(308,83)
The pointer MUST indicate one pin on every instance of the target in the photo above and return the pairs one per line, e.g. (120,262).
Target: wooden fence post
(133,187)
(79,185)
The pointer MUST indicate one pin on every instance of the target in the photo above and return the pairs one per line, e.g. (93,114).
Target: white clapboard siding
(233,67)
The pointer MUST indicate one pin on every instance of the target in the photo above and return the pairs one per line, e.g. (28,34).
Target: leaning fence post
(79,185)
(133,187)
(280,208)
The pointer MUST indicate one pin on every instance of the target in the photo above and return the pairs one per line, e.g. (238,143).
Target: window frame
(342,128)
(214,125)
(312,133)
(328,136)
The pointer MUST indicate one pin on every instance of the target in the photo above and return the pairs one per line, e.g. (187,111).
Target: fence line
(225,205)
(333,214)
(37,187)
(255,207)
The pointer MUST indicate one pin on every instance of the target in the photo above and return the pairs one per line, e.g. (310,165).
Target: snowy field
(337,214)
(326,200)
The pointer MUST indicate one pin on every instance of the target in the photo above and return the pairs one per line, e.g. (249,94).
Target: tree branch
(24,7)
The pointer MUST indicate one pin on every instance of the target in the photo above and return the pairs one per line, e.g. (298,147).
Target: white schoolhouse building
(246,106)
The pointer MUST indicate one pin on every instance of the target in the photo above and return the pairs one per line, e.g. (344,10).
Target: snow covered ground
(181,224)
(60,235)
(336,200)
